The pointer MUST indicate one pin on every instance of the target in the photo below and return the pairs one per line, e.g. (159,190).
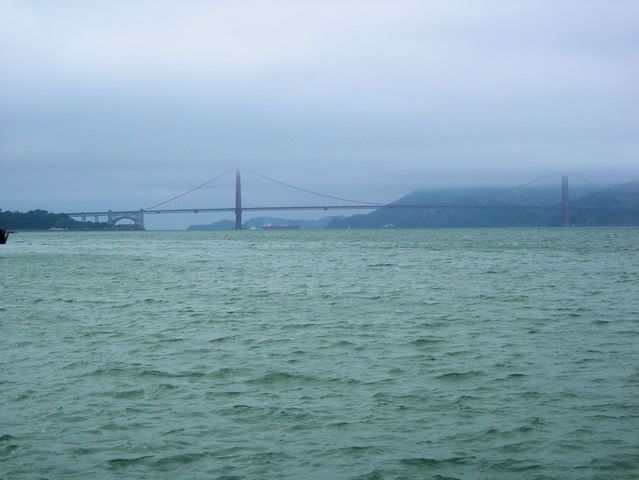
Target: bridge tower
(140,219)
(238,201)
(565,214)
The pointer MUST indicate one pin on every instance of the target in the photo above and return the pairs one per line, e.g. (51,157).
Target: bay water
(370,354)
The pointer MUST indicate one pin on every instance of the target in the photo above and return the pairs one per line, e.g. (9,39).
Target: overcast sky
(122,104)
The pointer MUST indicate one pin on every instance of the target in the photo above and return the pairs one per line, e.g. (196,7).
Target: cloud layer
(124,102)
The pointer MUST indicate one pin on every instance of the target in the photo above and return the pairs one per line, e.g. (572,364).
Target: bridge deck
(348,207)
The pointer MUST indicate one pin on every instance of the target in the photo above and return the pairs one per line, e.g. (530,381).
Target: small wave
(220,339)
(357,450)
(460,375)
(489,432)
(107,371)
(155,300)
(279,377)
(615,463)
(374,475)
(534,423)
(243,408)
(84,451)
(226,372)
(464,398)
(125,462)
(420,342)
(339,424)
(6,450)
(179,459)
(423,461)
(65,300)
(160,373)
(115,427)
(387,398)
(171,340)
(346,380)
(456,353)
(511,376)
(515,447)
(124,305)
(231,393)
(342,343)
(512,465)
(126,394)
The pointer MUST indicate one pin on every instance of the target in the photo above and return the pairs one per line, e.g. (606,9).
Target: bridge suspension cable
(187,192)
(332,197)
(516,187)
(485,196)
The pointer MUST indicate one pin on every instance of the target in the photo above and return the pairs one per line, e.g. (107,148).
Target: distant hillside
(261,221)
(625,196)
(43,220)
(622,196)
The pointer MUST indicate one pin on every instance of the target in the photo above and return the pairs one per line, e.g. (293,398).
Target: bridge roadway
(345,207)
(128,213)
(340,207)
(138,215)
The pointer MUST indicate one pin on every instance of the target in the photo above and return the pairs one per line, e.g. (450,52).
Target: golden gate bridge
(113,217)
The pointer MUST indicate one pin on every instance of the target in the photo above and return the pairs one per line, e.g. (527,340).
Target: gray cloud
(119,105)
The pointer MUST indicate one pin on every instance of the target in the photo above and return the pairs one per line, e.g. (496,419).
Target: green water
(469,354)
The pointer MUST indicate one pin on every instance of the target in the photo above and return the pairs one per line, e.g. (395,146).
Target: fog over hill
(625,196)
(621,197)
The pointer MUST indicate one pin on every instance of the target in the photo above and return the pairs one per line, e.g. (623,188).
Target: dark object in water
(4,236)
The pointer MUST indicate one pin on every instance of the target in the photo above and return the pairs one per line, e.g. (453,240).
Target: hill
(261,221)
(43,220)
(621,196)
